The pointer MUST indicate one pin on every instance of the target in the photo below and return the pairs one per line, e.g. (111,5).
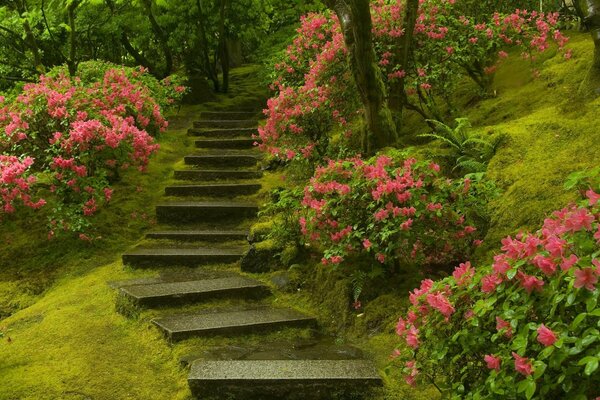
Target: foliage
(467,152)
(530,320)
(392,211)
(75,137)
(451,40)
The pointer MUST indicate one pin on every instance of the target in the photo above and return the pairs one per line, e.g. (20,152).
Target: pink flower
(530,283)
(545,264)
(546,336)
(493,362)
(490,282)
(522,365)
(463,274)
(401,327)
(412,337)
(587,278)
(503,325)
(366,243)
(567,263)
(380,257)
(593,196)
(440,303)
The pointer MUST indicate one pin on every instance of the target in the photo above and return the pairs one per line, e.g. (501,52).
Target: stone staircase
(204,223)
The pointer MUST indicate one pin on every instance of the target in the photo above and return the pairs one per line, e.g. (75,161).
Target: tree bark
(209,68)
(355,20)
(72,61)
(223,45)
(406,53)
(161,36)
(590,10)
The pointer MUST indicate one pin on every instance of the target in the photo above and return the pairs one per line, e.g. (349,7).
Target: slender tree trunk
(355,20)
(209,68)
(161,36)
(406,53)
(591,17)
(72,61)
(223,45)
(30,39)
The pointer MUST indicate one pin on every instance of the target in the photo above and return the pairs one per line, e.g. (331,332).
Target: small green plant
(467,152)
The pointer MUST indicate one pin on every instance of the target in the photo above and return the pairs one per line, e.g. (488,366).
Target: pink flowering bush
(392,211)
(526,326)
(315,92)
(71,139)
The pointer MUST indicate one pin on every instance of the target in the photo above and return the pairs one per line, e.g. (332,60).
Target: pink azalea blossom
(546,336)
(493,362)
(523,365)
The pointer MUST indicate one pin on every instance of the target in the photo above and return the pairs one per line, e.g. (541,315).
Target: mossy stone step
(142,257)
(284,379)
(184,326)
(199,236)
(226,143)
(221,160)
(209,175)
(223,133)
(177,212)
(228,115)
(226,123)
(213,190)
(158,294)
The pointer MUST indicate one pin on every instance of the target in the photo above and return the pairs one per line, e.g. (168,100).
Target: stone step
(203,211)
(179,327)
(284,379)
(213,190)
(229,115)
(221,160)
(223,133)
(233,123)
(199,236)
(159,294)
(226,143)
(173,256)
(209,175)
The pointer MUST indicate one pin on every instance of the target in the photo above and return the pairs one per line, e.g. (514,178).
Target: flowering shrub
(524,327)
(73,139)
(314,89)
(391,210)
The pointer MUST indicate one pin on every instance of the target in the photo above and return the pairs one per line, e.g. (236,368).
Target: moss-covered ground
(67,341)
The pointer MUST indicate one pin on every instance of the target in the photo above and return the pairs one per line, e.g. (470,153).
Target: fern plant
(467,152)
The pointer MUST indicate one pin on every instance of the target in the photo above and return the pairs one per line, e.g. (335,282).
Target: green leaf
(590,367)
(577,321)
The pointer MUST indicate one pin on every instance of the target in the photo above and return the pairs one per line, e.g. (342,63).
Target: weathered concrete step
(191,291)
(221,160)
(233,123)
(228,115)
(179,327)
(283,379)
(201,175)
(203,211)
(226,143)
(223,133)
(199,236)
(213,190)
(173,256)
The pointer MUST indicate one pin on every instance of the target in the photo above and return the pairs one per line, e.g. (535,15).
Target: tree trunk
(223,45)
(32,43)
(406,53)
(162,38)
(209,68)
(72,61)
(355,20)
(591,18)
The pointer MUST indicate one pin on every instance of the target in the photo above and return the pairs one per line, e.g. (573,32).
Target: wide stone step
(179,327)
(199,236)
(226,143)
(203,211)
(284,379)
(235,123)
(223,133)
(174,256)
(191,291)
(221,160)
(202,175)
(213,190)
(229,115)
